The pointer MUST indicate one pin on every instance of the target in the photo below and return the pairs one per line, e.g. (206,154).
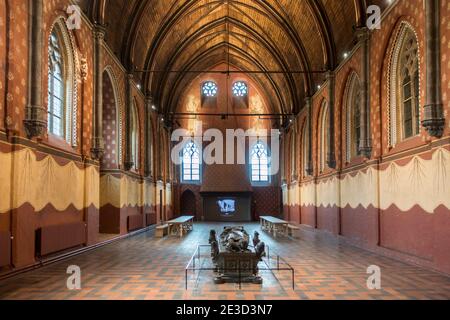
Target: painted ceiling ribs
(263,34)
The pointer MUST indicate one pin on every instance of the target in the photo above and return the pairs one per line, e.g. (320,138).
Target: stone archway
(110,207)
(188,204)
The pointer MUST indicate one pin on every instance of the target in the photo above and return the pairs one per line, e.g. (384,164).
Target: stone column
(365,142)
(331,158)
(129,161)
(168,157)
(309,165)
(283,159)
(294,174)
(160,151)
(148,167)
(433,120)
(36,114)
(98,147)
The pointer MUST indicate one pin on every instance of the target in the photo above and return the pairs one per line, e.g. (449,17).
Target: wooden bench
(162,231)
(274,225)
(293,230)
(181,225)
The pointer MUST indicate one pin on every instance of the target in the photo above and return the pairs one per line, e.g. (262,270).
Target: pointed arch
(260,163)
(293,154)
(112,116)
(191,163)
(63,79)
(135,136)
(304,150)
(150,136)
(324,135)
(404,85)
(352,113)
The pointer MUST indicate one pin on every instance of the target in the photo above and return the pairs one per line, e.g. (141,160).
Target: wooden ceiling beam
(260,40)
(129,38)
(201,57)
(325,27)
(97,11)
(270,13)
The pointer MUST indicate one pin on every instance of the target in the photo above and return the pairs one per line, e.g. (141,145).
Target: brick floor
(144,267)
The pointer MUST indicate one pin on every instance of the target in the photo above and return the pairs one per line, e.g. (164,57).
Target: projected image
(227,206)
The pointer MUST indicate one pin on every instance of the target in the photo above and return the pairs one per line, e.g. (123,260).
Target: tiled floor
(143,267)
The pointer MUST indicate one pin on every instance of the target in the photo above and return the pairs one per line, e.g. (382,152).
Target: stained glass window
(135,136)
(356,134)
(55,87)
(409,85)
(260,163)
(209,89)
(240,89)
(191,163)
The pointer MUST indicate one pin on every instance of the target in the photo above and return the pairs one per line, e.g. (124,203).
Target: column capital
(362,34)
(99,31)
(433,121)
(98,150)
(148,99)
(308,101)
(128,165)
(330,75)
(35,123)
(309,169)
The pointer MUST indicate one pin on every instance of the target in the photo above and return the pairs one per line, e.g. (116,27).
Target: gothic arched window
(305,149)
(293,153)
(56,86)
(409,84)
(260,163)
(404,87)
(209,89)
(240,94)
(324,136)
(135,136)
(62,83)
(240,89)
(190,160)
(353,117)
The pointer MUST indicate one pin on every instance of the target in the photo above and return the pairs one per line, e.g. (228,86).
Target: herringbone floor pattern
(143,267)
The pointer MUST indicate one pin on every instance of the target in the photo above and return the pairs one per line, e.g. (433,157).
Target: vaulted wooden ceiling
(252,35)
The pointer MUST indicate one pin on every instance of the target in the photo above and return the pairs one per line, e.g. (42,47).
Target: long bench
(274,225)
(181,225)
(293,230)
(162,231)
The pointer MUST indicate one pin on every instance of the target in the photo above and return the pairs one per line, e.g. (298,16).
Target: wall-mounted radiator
(150,219)
(57,238)
(5,248)
(135,222)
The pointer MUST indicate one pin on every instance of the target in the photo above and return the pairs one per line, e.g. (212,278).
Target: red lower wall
(308,216)
(414,236)
(25,221)
(360,224)
(328,219)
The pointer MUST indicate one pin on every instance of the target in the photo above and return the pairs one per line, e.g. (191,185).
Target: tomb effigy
(235,261)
